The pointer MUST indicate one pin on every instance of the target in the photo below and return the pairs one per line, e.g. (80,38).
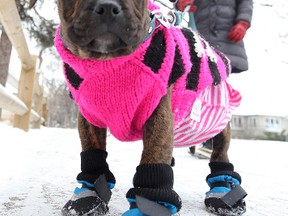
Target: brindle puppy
(105,30)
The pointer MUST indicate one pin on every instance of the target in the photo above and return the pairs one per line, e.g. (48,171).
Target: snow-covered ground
(38,171)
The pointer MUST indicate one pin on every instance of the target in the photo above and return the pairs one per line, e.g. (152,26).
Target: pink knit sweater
(123,92)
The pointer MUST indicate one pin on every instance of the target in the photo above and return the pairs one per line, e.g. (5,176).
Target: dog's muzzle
(108,27)
(108,10)
(99,27)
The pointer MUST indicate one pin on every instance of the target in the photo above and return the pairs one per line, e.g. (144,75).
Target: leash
(180,15)
(174,18)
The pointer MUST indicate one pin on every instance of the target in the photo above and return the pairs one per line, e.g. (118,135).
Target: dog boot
(226,196)
(97,181)
(153,193)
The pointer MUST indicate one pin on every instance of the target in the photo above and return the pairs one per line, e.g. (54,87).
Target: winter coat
(215,18)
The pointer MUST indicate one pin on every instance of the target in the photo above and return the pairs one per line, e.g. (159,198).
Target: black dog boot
(226,196)
(97,181)
(153,192)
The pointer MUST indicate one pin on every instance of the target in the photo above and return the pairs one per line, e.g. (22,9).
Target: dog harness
(122,93)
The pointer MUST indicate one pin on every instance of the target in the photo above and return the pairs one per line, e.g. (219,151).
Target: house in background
(262,127)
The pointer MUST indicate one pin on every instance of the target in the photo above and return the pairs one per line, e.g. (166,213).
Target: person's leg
(204,150)
(208,144)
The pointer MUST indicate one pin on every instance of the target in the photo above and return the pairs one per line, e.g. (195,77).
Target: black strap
(232,197)
(151,208)
(102,189)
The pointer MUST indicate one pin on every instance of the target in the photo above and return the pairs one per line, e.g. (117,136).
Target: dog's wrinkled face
(103,29)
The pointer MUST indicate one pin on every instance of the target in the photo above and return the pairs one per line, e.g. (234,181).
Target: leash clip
(165,20)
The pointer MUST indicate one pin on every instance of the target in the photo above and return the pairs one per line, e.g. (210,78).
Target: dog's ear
(32,3)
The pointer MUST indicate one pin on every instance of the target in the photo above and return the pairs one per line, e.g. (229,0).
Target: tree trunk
(5,55)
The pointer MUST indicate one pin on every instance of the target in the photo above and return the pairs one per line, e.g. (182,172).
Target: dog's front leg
(158,134)
(226,196)
(153,181)
(95,176)
(92,138)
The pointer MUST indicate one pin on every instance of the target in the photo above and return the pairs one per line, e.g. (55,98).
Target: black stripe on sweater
(178,67)
(225,60)
(214,72)
(213,69)
(74,79)
(154,56)
(193,76)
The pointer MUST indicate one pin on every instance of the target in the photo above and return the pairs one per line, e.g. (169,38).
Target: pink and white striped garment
(210,114)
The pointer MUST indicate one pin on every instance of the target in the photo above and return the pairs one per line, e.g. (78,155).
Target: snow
(39,167)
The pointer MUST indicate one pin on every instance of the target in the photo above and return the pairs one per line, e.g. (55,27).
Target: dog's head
(103,28)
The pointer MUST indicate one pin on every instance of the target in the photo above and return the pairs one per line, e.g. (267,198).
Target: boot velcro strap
(231,200)
(100,186)
(157,195)
(237,193)
(102,189)
(151,208)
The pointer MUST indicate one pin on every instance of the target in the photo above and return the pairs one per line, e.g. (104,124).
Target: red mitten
(182,4)
(238,31)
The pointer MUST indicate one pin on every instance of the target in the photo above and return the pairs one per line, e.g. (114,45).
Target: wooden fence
(20,105)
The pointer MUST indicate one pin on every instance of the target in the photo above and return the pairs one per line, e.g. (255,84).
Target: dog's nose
(108,10)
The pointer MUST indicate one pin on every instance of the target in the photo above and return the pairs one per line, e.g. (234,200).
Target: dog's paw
(226,196)
(153,192)
(89,200)
(238,209)
(85,203)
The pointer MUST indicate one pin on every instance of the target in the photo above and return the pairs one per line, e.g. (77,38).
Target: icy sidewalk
(38,171)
